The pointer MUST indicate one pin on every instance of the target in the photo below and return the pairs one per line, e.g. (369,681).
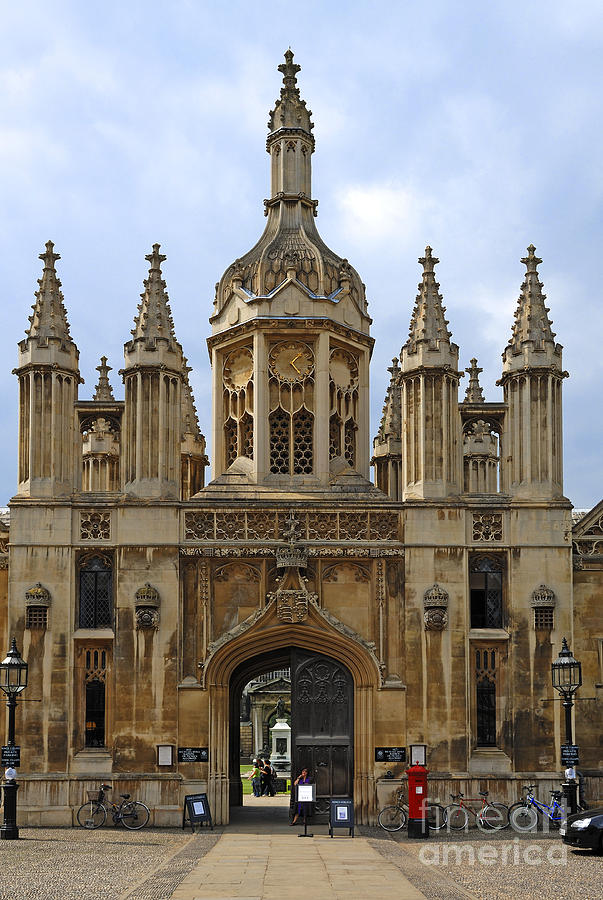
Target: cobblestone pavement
(505,866)
(74,864)
(155,864)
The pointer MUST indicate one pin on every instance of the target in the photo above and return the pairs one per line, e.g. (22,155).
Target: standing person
(266,779)
(254,777)
(302,778)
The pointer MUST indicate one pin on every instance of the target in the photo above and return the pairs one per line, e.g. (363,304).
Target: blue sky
(474,127)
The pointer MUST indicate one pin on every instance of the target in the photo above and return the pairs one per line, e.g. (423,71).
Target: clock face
(238,368)
(343,369)
(291,361)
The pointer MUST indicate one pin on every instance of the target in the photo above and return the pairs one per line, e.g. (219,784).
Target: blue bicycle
(526,814)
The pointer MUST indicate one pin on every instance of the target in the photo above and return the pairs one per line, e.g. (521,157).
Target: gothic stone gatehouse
(424,608)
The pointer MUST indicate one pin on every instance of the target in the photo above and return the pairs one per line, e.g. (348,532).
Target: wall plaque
(390,754)
(193,754)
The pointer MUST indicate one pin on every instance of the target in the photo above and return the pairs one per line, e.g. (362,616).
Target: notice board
(197,811)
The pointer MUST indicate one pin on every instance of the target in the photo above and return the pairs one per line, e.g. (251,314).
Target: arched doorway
(322,721)
(268,643)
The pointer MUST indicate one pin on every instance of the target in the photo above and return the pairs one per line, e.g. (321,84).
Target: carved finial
(474,393)
(531,261)
(289,70)
(155,258)
(428,261)
(103,390)
(49,256)
(291,529)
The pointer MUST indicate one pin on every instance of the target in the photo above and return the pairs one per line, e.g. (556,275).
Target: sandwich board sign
(196,810)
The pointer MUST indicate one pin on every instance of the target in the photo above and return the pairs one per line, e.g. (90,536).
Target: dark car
(584,829)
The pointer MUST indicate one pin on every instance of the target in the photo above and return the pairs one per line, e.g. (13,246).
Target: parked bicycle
(526,814)
(131,813)
(491,815)
(395,817)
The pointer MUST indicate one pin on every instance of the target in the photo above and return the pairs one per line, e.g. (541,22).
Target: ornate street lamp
(13,680)
(567,678)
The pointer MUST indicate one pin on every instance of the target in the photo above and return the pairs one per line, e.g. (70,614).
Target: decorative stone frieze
(487,527)
(147,603)
(435,605)
(251,552)
(236,525)
(95,526)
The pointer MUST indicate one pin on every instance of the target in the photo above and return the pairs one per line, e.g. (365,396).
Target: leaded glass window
(486,592)
(96,593)
(485,689)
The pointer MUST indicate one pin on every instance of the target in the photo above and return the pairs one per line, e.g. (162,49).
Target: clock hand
(295,367)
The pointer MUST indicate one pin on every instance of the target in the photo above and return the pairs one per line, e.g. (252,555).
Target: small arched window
(96,592)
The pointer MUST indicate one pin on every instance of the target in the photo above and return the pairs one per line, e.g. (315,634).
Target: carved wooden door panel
(322,724)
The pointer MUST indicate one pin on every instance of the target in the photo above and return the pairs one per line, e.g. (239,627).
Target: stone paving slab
(286,867)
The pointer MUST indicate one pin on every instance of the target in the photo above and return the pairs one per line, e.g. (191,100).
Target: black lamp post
(567,678)
(13,680)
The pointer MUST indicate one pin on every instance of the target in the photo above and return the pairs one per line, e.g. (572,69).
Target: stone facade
(141,597)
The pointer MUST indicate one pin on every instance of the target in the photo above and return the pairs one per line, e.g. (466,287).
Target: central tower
(290,344)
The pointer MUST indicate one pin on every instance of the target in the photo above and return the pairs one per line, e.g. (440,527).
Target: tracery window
(343,393)
(291,399)
(95,688)
(238,405)
(486,591)
(485,699)
(96,591)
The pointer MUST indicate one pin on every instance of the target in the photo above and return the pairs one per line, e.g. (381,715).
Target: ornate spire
(49,319)
(391,416)
(474,392)
(154,320)
(103,390)
(427,322)
(189,418)
(290,110)
(531,316)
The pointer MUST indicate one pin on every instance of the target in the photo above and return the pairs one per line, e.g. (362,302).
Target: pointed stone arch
(317,635)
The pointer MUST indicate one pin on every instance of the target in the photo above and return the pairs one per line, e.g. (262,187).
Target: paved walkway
(281,866)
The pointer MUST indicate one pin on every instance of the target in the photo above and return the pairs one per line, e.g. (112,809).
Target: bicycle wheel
(91,814)
(436,816)
(135,815)
(392,818)
(456,817)
(523,818)
(493,816)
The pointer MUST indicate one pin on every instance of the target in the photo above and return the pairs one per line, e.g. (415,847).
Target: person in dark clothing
(302,778)
(266,779)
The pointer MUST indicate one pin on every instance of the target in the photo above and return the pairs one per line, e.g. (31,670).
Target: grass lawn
(246,781)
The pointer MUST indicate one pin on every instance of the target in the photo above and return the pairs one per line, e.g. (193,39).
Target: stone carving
(230,526)
(358,573)
(237,570)
(95,526)
(353,527)
(383,526)
(38,595)
(487,527)
(147,617)
(147,602)
(199,526)
(251,552)
(292,606)
(435,604)
(262,525)
(322,526)
(543,596)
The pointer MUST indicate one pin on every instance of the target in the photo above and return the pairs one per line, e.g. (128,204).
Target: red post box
(417,802)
